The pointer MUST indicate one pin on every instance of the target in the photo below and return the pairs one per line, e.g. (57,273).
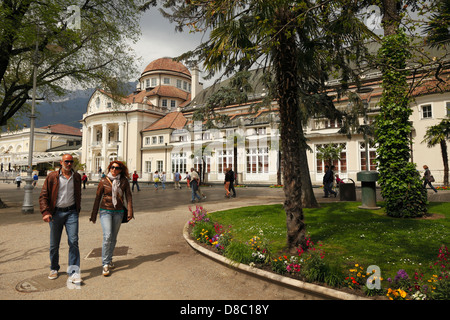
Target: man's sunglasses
(116,168)
(68,161)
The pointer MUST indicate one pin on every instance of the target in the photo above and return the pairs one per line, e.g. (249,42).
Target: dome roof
(166,64)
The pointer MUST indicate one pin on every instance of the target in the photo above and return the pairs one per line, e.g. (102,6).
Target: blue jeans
(194,189)
(68,219)
(328,188)
(110,221)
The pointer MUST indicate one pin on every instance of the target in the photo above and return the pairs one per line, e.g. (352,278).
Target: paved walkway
(156,261)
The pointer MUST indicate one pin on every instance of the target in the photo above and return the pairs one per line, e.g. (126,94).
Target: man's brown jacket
(49,192)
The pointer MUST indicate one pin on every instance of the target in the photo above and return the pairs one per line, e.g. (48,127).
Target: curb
(319,290)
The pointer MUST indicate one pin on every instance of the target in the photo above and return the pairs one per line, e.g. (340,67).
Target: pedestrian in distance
(84,179)
(18,180)
(135,181)
(60,205)
(156,179)
(195,179)
(328,182)
(176,180)
(188,179)
(428,179)
(232,178)
(162,178)
(35,180)
(112,198)
(227,183)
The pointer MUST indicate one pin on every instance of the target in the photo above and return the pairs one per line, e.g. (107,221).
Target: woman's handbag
(125,215)
(431,179)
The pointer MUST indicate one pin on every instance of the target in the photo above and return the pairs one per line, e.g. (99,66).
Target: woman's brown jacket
(104,194)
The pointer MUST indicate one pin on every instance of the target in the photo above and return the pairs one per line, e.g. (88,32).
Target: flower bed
(312,265)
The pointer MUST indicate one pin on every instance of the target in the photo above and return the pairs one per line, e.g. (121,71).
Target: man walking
(231,188)
(176,180)
(328,182)
(60,204)
(135,181)
(195,180)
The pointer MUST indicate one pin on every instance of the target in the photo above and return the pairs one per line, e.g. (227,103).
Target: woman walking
(112,191)
(428,178)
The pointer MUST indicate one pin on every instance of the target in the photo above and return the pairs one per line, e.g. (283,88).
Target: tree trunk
(445,160)
(286,73)
(308,197)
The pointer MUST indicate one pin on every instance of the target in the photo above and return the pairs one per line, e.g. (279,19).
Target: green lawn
(351,235)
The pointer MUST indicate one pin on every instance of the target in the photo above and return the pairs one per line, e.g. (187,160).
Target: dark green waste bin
(347,191)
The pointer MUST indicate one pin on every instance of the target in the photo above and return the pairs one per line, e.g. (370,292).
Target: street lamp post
(28,196)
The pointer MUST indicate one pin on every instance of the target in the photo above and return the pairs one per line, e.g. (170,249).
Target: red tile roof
(167,64)
(173,120)
(63,129)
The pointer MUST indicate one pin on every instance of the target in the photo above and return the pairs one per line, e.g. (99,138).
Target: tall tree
(399,180)
(302,41)
(87,46)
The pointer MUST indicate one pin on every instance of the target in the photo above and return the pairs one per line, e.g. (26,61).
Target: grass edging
(336,294)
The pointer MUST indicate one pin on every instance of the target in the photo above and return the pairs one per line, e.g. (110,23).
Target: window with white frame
(148,166)
(179,84)
(147,83)
(154,140)
(173,104)
(154,82)
(147,140)
(198,162)
(224,160)
(427,112)
(258,160)
(447,104)
(161,139)
(179,162)
(164,103)
(372,157)
(166,80)
(160,165)
(340,165)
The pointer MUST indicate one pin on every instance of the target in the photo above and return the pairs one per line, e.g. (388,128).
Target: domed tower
(166,83)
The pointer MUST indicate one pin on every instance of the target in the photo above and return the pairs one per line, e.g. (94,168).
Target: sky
(159,39)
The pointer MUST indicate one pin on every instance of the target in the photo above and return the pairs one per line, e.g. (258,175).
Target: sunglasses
(68,161)
(116,168)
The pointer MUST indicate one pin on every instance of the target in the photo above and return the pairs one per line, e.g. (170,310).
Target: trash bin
(347,191)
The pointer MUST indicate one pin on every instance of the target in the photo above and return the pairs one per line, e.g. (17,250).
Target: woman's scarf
(116,190)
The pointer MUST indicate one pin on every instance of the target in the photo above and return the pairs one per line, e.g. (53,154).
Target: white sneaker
(53,274)
(105,271)
(75,278)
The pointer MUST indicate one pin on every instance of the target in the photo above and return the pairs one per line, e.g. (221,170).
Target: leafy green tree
(70,50)
(329,153)
(303,41)
(438,29)
(439,134)
(400,182)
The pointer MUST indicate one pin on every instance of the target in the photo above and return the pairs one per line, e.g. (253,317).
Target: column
(104,161)
(121,142)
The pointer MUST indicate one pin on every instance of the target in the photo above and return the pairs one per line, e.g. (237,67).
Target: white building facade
(153,129)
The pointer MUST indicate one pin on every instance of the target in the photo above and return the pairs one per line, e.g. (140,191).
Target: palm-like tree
(302,41)
(439,134)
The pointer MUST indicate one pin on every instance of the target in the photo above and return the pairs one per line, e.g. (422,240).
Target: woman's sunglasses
(116,168)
